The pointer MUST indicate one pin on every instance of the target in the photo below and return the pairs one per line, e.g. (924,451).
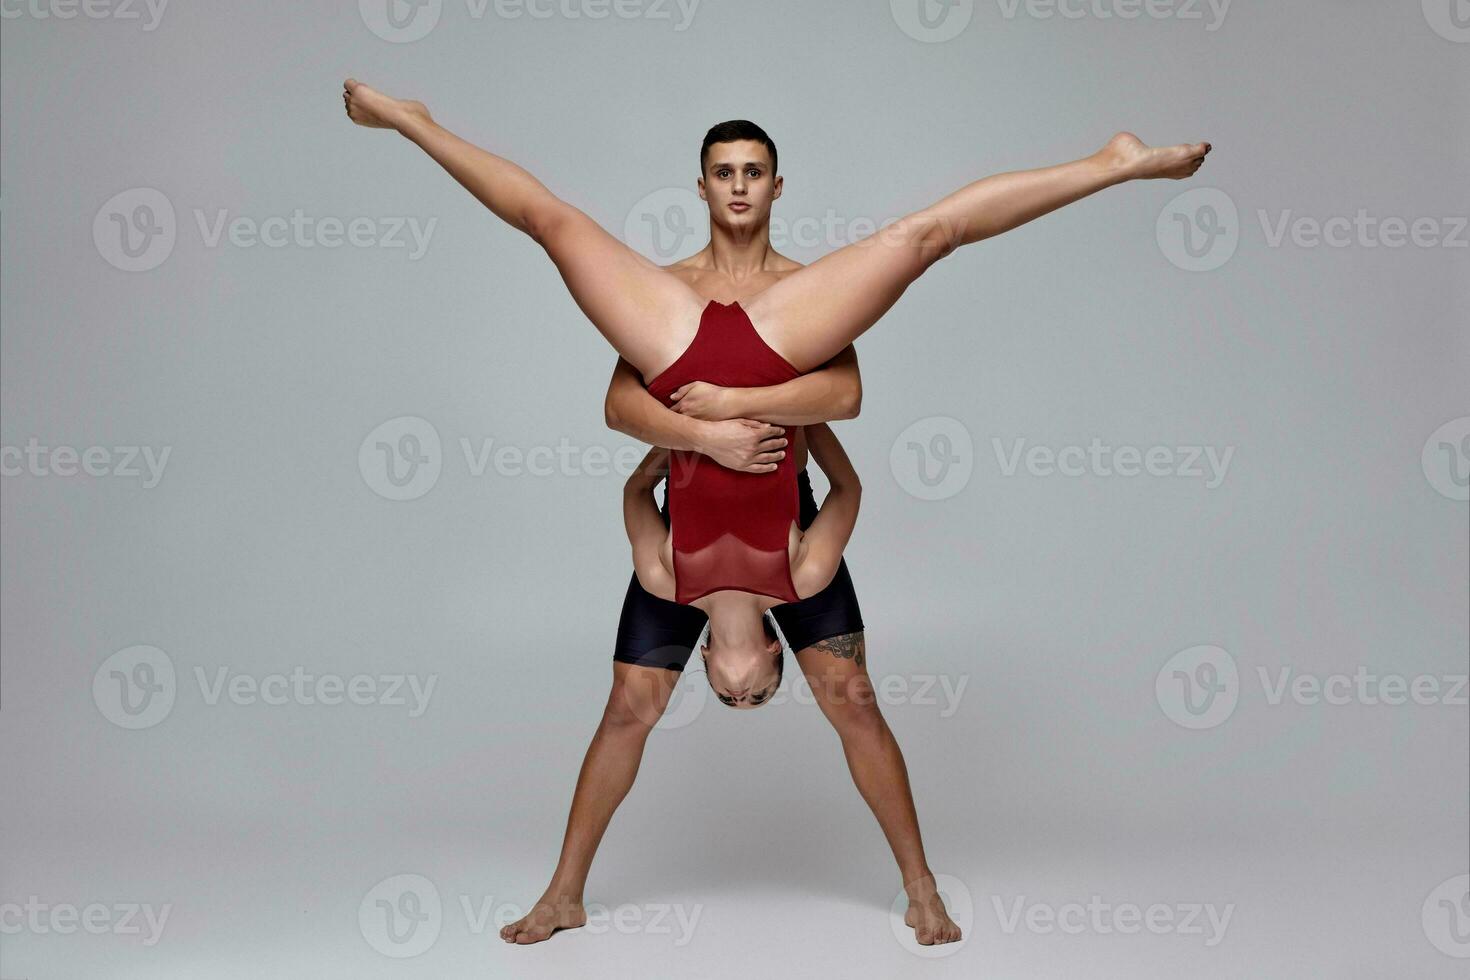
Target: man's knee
(637,700)
(857,718)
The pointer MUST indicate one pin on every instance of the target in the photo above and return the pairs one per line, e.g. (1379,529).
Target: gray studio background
(1062,770)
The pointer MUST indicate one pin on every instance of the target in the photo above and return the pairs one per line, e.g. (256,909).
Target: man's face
(738,184)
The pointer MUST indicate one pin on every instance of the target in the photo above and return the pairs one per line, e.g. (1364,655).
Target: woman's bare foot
(366,106)
(550,914)
(927,915)
(1127,155)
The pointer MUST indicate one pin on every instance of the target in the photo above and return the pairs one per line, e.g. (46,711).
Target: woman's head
(742,658)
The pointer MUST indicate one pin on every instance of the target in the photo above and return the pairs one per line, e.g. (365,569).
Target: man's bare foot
(1127,156)
(927,915)
(366,106)
(550,914)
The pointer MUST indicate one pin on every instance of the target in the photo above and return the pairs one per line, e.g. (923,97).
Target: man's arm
(832,392)
(740,444)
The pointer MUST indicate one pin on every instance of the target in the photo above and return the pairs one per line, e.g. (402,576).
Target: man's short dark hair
(732,130)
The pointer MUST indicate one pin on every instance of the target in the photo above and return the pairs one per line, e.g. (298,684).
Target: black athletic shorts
(654,632)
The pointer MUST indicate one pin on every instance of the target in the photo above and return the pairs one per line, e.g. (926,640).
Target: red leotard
(731,529)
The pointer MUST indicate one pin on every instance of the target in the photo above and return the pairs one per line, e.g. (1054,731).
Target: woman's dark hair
(736,129)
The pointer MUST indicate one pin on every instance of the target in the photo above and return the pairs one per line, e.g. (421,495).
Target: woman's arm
(832,392)
(825,540)
(740,444)
(645,525)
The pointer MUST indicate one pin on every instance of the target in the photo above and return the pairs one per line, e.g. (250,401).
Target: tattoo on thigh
(849,646)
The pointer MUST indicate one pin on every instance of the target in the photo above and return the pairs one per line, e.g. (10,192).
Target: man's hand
(744,445)
(702,400)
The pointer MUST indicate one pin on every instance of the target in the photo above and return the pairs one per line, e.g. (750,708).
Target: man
(744,429)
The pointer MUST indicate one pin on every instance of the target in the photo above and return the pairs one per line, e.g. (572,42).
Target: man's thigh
(654,632)
(833,612)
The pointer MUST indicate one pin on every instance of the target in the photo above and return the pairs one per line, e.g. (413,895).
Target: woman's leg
(815,312)
(648,314)
(637,701)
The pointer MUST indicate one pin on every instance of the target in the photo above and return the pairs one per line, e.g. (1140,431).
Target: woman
(742,657)
(732,532)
